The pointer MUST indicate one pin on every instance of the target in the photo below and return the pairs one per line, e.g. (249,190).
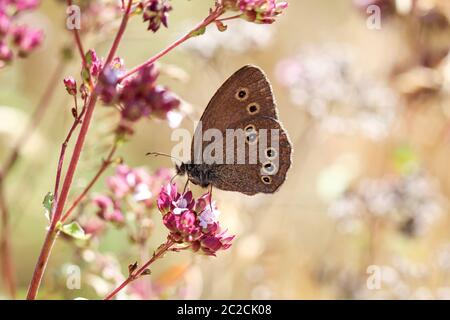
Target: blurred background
(364,212)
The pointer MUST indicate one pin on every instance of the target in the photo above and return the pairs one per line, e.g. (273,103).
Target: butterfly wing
(255,178)
(246,93)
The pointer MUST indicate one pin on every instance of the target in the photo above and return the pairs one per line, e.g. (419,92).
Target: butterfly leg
(186,186)
(210,197)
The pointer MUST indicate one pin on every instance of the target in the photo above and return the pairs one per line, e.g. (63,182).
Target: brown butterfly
(245,101)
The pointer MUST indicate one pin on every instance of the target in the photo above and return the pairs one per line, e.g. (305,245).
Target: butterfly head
(198,174)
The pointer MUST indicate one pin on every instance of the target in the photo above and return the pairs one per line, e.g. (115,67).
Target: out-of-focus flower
(99,15)
(156,12)
(22,37)
(258,11)
(109,210)
(411,202)
(25,4)
(243,37)
(108,81)
(140,96)
(387,7)
(429,18)
(27,39)
(6,53)
(133,193)
(324,82)
(192,223)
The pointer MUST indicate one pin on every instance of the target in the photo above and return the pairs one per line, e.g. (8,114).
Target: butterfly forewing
(246,93)
(245,107)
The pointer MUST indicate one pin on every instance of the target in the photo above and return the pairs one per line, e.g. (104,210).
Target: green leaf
(85,75)
(198,32)
(48,204)
(405,159)
(74,230)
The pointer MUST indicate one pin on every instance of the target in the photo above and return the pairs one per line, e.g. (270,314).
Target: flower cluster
(411,203)
(257,11)
(132,192)
(140,96)
(192,222)
(136,183)
(22,38)
(137,96)
(155,12)
(324,82)
(430,18)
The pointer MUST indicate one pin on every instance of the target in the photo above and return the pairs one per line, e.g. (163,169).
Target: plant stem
(106,163)
(210,19)
(77,37)
(120,33)
(136,274)
(52,232)
(76,122)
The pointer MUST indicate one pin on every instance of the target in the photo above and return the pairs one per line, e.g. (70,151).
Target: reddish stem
(120,33)
(75,124)
(136,274)
(210,19)
(52,232)
(78,42)
(238,16)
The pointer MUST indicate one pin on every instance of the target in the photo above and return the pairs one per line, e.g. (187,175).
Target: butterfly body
(199,174)
(244,105)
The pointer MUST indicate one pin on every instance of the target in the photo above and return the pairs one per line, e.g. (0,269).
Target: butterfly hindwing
(267,159)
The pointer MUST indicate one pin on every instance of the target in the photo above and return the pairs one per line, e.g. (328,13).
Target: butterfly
(244,103)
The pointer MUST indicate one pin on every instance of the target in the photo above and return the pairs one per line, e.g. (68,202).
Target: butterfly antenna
(156,154)
(186,186)
(173,178)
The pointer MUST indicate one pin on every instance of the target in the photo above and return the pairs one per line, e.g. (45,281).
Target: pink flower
(183,227)
(27,39)
(71,85)
(5,24)
(93,226)
(109,210)
(26,4)
(23,38)
(208,213)
(210,244)
(141,97)
(156,12)
(167,195)
(183,203)
(5,53)
(118,185)
(257,11)
(192,223)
